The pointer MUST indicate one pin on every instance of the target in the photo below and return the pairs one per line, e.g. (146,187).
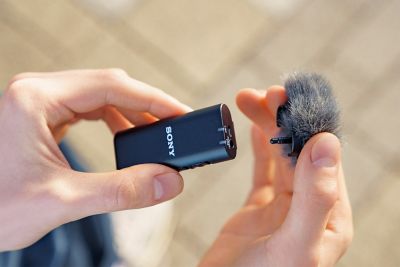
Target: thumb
(315,190)
(131,188)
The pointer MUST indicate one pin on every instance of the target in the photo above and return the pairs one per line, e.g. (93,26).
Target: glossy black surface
(198,138)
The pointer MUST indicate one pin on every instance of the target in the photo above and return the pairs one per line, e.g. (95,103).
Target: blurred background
(202,52)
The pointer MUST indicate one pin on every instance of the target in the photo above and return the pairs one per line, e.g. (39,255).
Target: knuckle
(314,261)
(348,237)
(124,196)
(25,99)
(343,241)
(21,89)
(325,192)
(19,76)
(113,74)
(61,195)
(18,85)
(309,258)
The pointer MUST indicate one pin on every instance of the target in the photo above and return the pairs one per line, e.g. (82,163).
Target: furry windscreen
(311,109)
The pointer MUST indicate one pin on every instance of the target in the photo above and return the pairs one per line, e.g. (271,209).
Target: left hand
(294,216)
(38,189)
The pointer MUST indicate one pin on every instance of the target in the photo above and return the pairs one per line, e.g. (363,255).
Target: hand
(294,216)
(38,189)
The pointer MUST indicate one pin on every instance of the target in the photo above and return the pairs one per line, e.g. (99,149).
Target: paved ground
(202,52)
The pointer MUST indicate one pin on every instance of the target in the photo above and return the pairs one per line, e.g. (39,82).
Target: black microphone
(191,140)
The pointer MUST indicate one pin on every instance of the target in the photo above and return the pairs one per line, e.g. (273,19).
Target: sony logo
(170,140)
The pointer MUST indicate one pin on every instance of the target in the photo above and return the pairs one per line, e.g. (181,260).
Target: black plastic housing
(192,140)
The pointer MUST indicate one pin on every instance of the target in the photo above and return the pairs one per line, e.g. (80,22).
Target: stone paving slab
(376,242)
(295,46)
(382,124)
(203,53)
(68,26)
(371,49)
(179,255)
(30,30)
(17,56)
(203,40)
(358,176)
(110,53)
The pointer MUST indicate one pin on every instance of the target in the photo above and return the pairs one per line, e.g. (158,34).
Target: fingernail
(166,185)
(325,152)
(158,189)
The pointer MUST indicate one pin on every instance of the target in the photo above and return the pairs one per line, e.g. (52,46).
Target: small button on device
(201,164)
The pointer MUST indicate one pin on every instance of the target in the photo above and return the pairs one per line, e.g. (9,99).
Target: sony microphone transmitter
(191,140)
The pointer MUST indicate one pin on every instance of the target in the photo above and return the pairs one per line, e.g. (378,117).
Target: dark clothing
(83,243)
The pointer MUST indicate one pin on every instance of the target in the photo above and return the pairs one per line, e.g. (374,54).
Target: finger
(110,115)
(118,119)
(25,75)
(261,107)
(131,188)
(59,132)
(263,169)
(137,118)
(276,96)
(261,220)
(87,90)
(115,87)
(334,245)
(262,110)
(340,220)
(315,191)
(28,75)
(115,121)
(340,230)
(253,104)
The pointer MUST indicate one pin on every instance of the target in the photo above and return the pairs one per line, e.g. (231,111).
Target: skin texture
(38,189)
(293,216)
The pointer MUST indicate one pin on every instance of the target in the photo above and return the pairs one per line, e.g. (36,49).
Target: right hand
(38,189)
(294,215)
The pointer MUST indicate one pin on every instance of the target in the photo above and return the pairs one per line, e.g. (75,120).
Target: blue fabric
(86,242)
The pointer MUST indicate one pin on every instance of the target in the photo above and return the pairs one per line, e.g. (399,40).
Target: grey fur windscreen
(311,108)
